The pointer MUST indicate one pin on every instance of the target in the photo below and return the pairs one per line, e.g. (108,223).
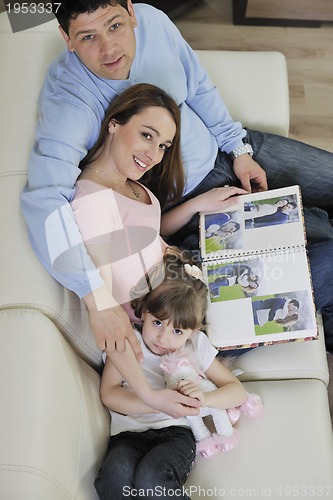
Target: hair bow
(193,271)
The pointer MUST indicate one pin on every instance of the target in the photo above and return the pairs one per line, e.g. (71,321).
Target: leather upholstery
(53,427)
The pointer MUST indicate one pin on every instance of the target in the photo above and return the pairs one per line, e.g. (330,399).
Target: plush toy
(226,436)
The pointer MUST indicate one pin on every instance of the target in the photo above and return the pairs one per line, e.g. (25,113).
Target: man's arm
(66,127)
(60,144)
(206,101)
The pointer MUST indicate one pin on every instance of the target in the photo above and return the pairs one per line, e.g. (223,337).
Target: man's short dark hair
(67,10)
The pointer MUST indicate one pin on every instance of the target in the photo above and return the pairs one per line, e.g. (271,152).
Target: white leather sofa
(53,427)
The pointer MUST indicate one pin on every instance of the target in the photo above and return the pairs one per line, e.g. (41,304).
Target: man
(275,309)
(281,216)
(223,226)
(112,45)
(260,209)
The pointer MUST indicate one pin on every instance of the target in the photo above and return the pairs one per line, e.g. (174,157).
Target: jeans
(151,464)
(287,162)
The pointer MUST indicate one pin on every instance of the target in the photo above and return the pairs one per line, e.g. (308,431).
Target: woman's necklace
(136,194)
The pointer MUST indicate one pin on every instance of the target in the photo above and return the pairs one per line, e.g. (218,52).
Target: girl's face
(161,337)
(140,144)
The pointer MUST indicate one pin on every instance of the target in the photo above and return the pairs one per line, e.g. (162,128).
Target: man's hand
(173,403)
(110,324)
(251,175)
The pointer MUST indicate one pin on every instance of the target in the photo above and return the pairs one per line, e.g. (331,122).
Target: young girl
(149,451)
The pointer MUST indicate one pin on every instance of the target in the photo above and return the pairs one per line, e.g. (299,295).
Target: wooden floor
(309,54)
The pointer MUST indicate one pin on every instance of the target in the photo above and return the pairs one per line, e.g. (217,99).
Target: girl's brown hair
(167,179)
(168,292)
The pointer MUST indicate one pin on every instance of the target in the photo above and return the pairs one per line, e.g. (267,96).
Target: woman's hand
(191,389)
(173,403)
(110,324)
(111,329)
(217,199)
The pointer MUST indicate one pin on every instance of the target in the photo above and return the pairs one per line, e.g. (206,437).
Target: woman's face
(140,144)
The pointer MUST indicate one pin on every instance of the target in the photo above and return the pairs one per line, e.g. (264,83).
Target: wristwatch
(242,150)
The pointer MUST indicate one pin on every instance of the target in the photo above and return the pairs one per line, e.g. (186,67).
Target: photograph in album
(256,268)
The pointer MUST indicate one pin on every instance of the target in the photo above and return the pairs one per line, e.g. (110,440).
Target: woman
(119,218)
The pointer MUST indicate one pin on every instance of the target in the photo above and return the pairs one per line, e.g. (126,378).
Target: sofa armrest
(254,86)
(53,427)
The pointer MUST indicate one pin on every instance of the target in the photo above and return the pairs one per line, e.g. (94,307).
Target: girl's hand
(191,389)
(217,199)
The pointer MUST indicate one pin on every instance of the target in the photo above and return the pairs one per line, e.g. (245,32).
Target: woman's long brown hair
(167,179)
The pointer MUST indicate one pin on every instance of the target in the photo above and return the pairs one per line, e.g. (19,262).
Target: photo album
(256,267)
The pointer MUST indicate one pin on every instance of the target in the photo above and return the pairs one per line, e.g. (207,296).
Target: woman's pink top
(126,233)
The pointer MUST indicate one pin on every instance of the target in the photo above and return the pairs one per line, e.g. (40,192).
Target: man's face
(104,40)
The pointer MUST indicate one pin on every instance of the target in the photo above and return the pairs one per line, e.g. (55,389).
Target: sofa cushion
(54,430)
(285,454)
(286,361)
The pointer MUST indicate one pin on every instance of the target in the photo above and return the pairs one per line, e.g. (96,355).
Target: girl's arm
(230,391)
(216,199)
(118,398)
(165,400)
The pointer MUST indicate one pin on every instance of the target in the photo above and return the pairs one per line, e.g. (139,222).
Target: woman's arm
(230,391)
(216,199)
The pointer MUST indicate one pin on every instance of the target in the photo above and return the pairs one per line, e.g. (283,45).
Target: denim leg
(222,174)
(318,225)
(288,162)
(165,468)
(125,450)
(321,263)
